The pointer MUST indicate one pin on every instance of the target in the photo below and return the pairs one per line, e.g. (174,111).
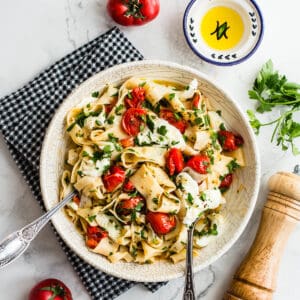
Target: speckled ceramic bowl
(223,32)
(238,209)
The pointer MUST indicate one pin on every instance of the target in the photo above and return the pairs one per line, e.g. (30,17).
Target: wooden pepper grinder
(256,277)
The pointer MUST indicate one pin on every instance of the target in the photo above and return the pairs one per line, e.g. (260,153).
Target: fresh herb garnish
(232,166)
(150,123)
(162,130)
(190,198)
(119,108)
(171,96)
(110,120)
(271,90)
(91,218)
(142,84)
(85,154)
(95,94)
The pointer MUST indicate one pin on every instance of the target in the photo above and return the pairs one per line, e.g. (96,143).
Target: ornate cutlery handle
(189,293)
(17,242)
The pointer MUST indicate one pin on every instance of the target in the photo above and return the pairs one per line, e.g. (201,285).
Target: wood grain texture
(256,277)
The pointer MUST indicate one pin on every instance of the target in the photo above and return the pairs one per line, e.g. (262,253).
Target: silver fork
(189,291)
(17,242)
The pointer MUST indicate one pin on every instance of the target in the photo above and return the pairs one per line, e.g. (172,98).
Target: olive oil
(222,28)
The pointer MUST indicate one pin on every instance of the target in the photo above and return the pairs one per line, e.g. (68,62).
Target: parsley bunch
(271,90)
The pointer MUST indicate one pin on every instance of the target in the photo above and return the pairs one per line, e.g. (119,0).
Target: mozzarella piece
(202,140)
(89,168)
(95,122)
(172,138)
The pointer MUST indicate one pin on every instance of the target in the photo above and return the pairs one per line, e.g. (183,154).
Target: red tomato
(133,12)
(137,97)
(199,163)
(226,182)
(132,120)
(108,107)
(128,142)
(50,289)
(169,116)
(94,235)
(229,141)
(113,178)
(128,187)
(126,206)
(161,223)
(76,199)
(196,101)
(174,161)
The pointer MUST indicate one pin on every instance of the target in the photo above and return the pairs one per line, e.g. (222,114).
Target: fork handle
(257,275)
(189,292)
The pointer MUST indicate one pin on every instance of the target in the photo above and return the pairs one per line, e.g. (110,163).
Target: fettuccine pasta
(147,159)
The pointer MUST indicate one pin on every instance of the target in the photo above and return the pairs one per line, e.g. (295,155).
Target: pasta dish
(147,158)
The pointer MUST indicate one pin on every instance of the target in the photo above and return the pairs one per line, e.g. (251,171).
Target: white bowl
(238,208)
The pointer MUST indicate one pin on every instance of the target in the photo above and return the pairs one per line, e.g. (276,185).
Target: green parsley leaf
(190,198)
(91,218)
(119,108)
(171,96)
(150,123)
(162,130)
(95,94)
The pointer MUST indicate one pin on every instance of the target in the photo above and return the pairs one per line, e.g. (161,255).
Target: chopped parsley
(150,123)
(98,123)
(85,154)
(190,198)
(80,118)
(95,94)
(232,166)
(206,120)
(214,140)
(119,108)
(80,173)
(203,196)
(162,130)
(91,218)
(222,126)
(110,120)
(177,116)
(171,96)
(142,84)
(155,200)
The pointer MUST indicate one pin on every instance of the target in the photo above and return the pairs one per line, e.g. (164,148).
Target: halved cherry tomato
(199,163)
(169,116)
(161,223)
(126,206)
(136,99)
(113,178)
(76,199)
(174,161)
(128,142)
(229,141)
(94,235)
(50,289)
(196,101)
(226,182)
(128,187)
(132,120)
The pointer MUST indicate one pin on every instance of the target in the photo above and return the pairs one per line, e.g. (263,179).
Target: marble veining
(34,34)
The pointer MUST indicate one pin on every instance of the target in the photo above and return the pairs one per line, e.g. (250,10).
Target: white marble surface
(35,33)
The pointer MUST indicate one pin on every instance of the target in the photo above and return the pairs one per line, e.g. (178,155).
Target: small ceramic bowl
(241,197)
(223,32)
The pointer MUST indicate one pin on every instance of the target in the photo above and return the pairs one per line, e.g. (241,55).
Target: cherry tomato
(128,142)
(226,182)
(133,12)
(177,122)
(174,161)
(76,199)
(50,289)
(126,206)
(132,120)
(229,141)
(196,101)
(113,178)
(108,107)
(94,235)
(128,187)
(161,223)
(199,163)
(136,99)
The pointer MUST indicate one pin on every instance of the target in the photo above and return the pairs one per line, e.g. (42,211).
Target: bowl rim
(252,200)
(205,58)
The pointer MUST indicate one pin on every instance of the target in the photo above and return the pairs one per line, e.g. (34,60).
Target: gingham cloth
(26,113)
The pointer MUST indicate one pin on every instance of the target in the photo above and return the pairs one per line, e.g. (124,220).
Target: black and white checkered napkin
(26,113)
